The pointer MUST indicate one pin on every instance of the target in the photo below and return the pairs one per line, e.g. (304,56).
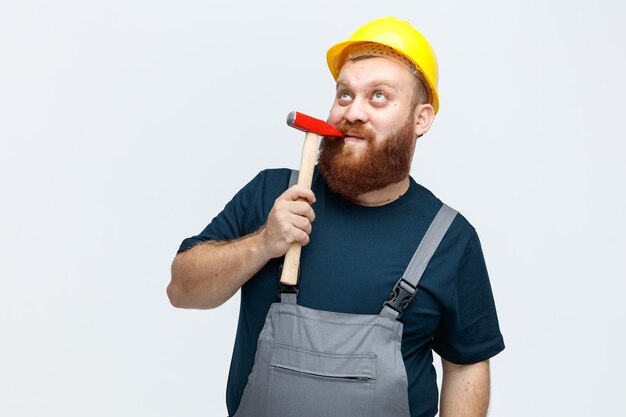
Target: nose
(357,111)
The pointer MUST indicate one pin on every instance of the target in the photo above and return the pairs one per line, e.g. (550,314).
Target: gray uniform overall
(316,363)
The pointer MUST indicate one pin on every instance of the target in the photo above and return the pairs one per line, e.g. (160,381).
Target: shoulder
(428,203)
(268,182)
(275,173)
(461,232)
(272,176)
(262,191)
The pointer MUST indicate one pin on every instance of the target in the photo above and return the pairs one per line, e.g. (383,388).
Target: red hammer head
(309,124)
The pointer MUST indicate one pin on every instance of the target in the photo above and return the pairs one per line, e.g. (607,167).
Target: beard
(378,166)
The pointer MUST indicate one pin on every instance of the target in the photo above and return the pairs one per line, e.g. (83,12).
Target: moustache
(355,129)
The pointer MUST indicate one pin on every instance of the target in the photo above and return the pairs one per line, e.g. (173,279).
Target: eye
(344,97)
(379,96)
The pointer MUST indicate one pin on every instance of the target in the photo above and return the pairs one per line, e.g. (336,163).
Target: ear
(424,116)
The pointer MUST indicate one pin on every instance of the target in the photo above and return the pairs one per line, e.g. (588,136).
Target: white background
(125,126)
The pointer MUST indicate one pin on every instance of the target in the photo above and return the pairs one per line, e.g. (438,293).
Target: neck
(384,195)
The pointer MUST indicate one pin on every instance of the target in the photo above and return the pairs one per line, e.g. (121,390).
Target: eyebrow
(371,84)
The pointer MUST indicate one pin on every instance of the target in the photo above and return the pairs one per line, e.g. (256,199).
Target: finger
(285,225)
(297,192)
(302,223)
(302,238)
(302,209)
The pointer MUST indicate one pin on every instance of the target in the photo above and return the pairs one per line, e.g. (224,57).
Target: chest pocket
(345,381)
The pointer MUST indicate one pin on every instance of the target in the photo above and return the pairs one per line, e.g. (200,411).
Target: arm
(208,274)
(464,390)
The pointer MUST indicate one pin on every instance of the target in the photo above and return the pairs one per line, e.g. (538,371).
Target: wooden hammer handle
(291,263)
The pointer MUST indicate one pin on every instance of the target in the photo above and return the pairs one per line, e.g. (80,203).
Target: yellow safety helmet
(398,35)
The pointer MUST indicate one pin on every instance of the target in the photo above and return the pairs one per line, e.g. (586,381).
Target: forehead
(368,70)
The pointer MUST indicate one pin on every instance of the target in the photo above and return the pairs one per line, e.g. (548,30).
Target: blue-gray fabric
(355,257)
(324,364)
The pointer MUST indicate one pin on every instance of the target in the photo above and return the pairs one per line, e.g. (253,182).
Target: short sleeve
(469,331)
(233,222)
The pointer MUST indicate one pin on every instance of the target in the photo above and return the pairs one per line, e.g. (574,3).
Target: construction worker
(338,344)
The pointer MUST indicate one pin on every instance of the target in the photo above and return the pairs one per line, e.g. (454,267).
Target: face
(374,108)
(376,92)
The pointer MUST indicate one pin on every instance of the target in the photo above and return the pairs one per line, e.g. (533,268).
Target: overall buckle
(400,296)
(284,288)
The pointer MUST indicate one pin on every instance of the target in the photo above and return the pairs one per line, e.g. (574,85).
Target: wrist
(259,245)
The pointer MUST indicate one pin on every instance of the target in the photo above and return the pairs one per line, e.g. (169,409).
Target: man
(360,225)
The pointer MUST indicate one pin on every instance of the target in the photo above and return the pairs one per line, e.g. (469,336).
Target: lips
(353,137)
(354,132)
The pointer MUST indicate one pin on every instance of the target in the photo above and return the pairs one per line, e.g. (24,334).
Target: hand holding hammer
(314,128)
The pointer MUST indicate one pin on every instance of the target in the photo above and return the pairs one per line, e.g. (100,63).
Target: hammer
(314,128)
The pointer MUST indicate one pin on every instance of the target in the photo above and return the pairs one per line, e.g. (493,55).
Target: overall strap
(293,178)
(406,287)
(289,295)
(289,298)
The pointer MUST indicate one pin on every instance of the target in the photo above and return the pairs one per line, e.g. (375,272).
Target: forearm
(465,390)
(208,274)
